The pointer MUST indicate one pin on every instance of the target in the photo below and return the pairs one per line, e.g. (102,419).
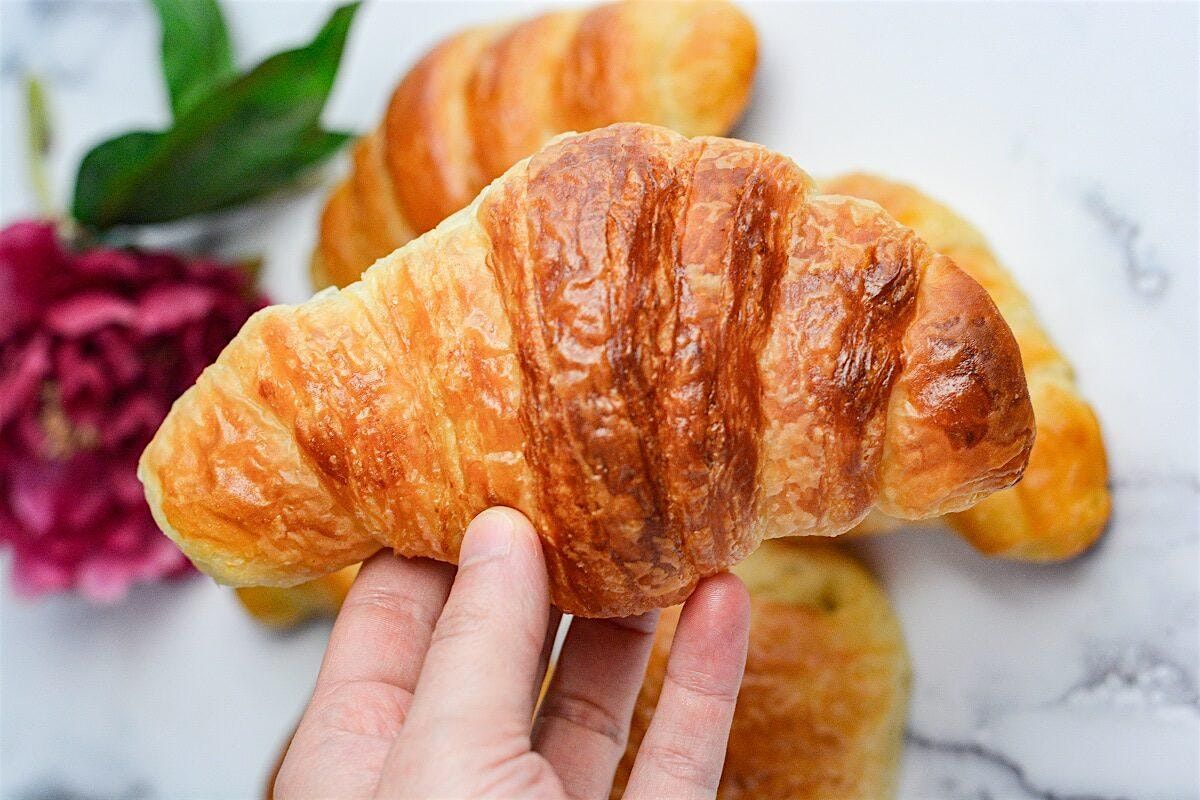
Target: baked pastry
(820,715)
(486,98)
(662,350)
(284,607)
(1062,504)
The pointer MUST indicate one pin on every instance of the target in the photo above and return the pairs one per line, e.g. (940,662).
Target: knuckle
(391,603)
(682,764)
(699,683)
(523,775)
(464,621)
(580,711)
(361,708)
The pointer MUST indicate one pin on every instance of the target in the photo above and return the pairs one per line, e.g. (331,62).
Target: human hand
(430,680)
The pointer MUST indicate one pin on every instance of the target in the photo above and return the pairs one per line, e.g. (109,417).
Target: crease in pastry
(1062,503)
(661,350)
(489,96)
(820,714)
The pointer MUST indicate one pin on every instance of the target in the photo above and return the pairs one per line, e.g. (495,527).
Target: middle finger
(583,723)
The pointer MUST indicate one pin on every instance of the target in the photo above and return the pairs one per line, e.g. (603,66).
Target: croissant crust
(662,350)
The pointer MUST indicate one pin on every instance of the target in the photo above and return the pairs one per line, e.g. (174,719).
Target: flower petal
(78,373)
(169,307)
(20,383)
(33,577)
(82,314)
(138,417)
(109,264)
(104,579)
(31,496)
(31,262)
(117,349)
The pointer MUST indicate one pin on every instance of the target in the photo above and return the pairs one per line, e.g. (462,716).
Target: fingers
(367,678)
(474,687)
(583,723)
(683,751)
(386,622)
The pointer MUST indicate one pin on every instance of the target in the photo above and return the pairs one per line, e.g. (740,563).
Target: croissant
(1062,504)
(661,350)
(820,714)
(486,98)
(285,608)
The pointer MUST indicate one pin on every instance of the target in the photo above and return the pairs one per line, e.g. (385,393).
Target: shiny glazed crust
(820,715)
(486,98)
(662,350)
(1062,503)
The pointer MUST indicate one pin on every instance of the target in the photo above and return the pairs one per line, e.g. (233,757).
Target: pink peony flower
(94,347)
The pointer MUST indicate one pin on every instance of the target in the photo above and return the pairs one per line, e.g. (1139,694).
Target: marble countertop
(1067,133)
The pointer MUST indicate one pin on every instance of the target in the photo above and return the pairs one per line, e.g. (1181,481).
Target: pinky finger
(683,751)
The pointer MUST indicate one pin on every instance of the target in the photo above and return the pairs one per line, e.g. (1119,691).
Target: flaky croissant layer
(662,350)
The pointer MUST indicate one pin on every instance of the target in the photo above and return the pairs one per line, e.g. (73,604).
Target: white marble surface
(1068,133)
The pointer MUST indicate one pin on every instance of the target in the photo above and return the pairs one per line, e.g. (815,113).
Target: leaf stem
(38,142)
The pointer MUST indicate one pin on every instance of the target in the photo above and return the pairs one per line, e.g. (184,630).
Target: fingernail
(489,536)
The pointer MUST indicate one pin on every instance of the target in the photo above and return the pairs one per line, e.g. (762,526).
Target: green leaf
(246,138)
(196,55)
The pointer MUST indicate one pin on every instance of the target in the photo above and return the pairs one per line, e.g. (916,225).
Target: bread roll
(820,715)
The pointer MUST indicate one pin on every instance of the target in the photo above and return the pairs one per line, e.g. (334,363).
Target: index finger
(366,681)
(384,627)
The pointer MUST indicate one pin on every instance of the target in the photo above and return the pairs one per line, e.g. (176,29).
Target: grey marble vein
(1142,271)
(1011,768)
(53,790)
(1145,480)
(1133,675)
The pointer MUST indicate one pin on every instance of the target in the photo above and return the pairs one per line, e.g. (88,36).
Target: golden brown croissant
(486,98)
(1062,503)
(662,350)
(820,715)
